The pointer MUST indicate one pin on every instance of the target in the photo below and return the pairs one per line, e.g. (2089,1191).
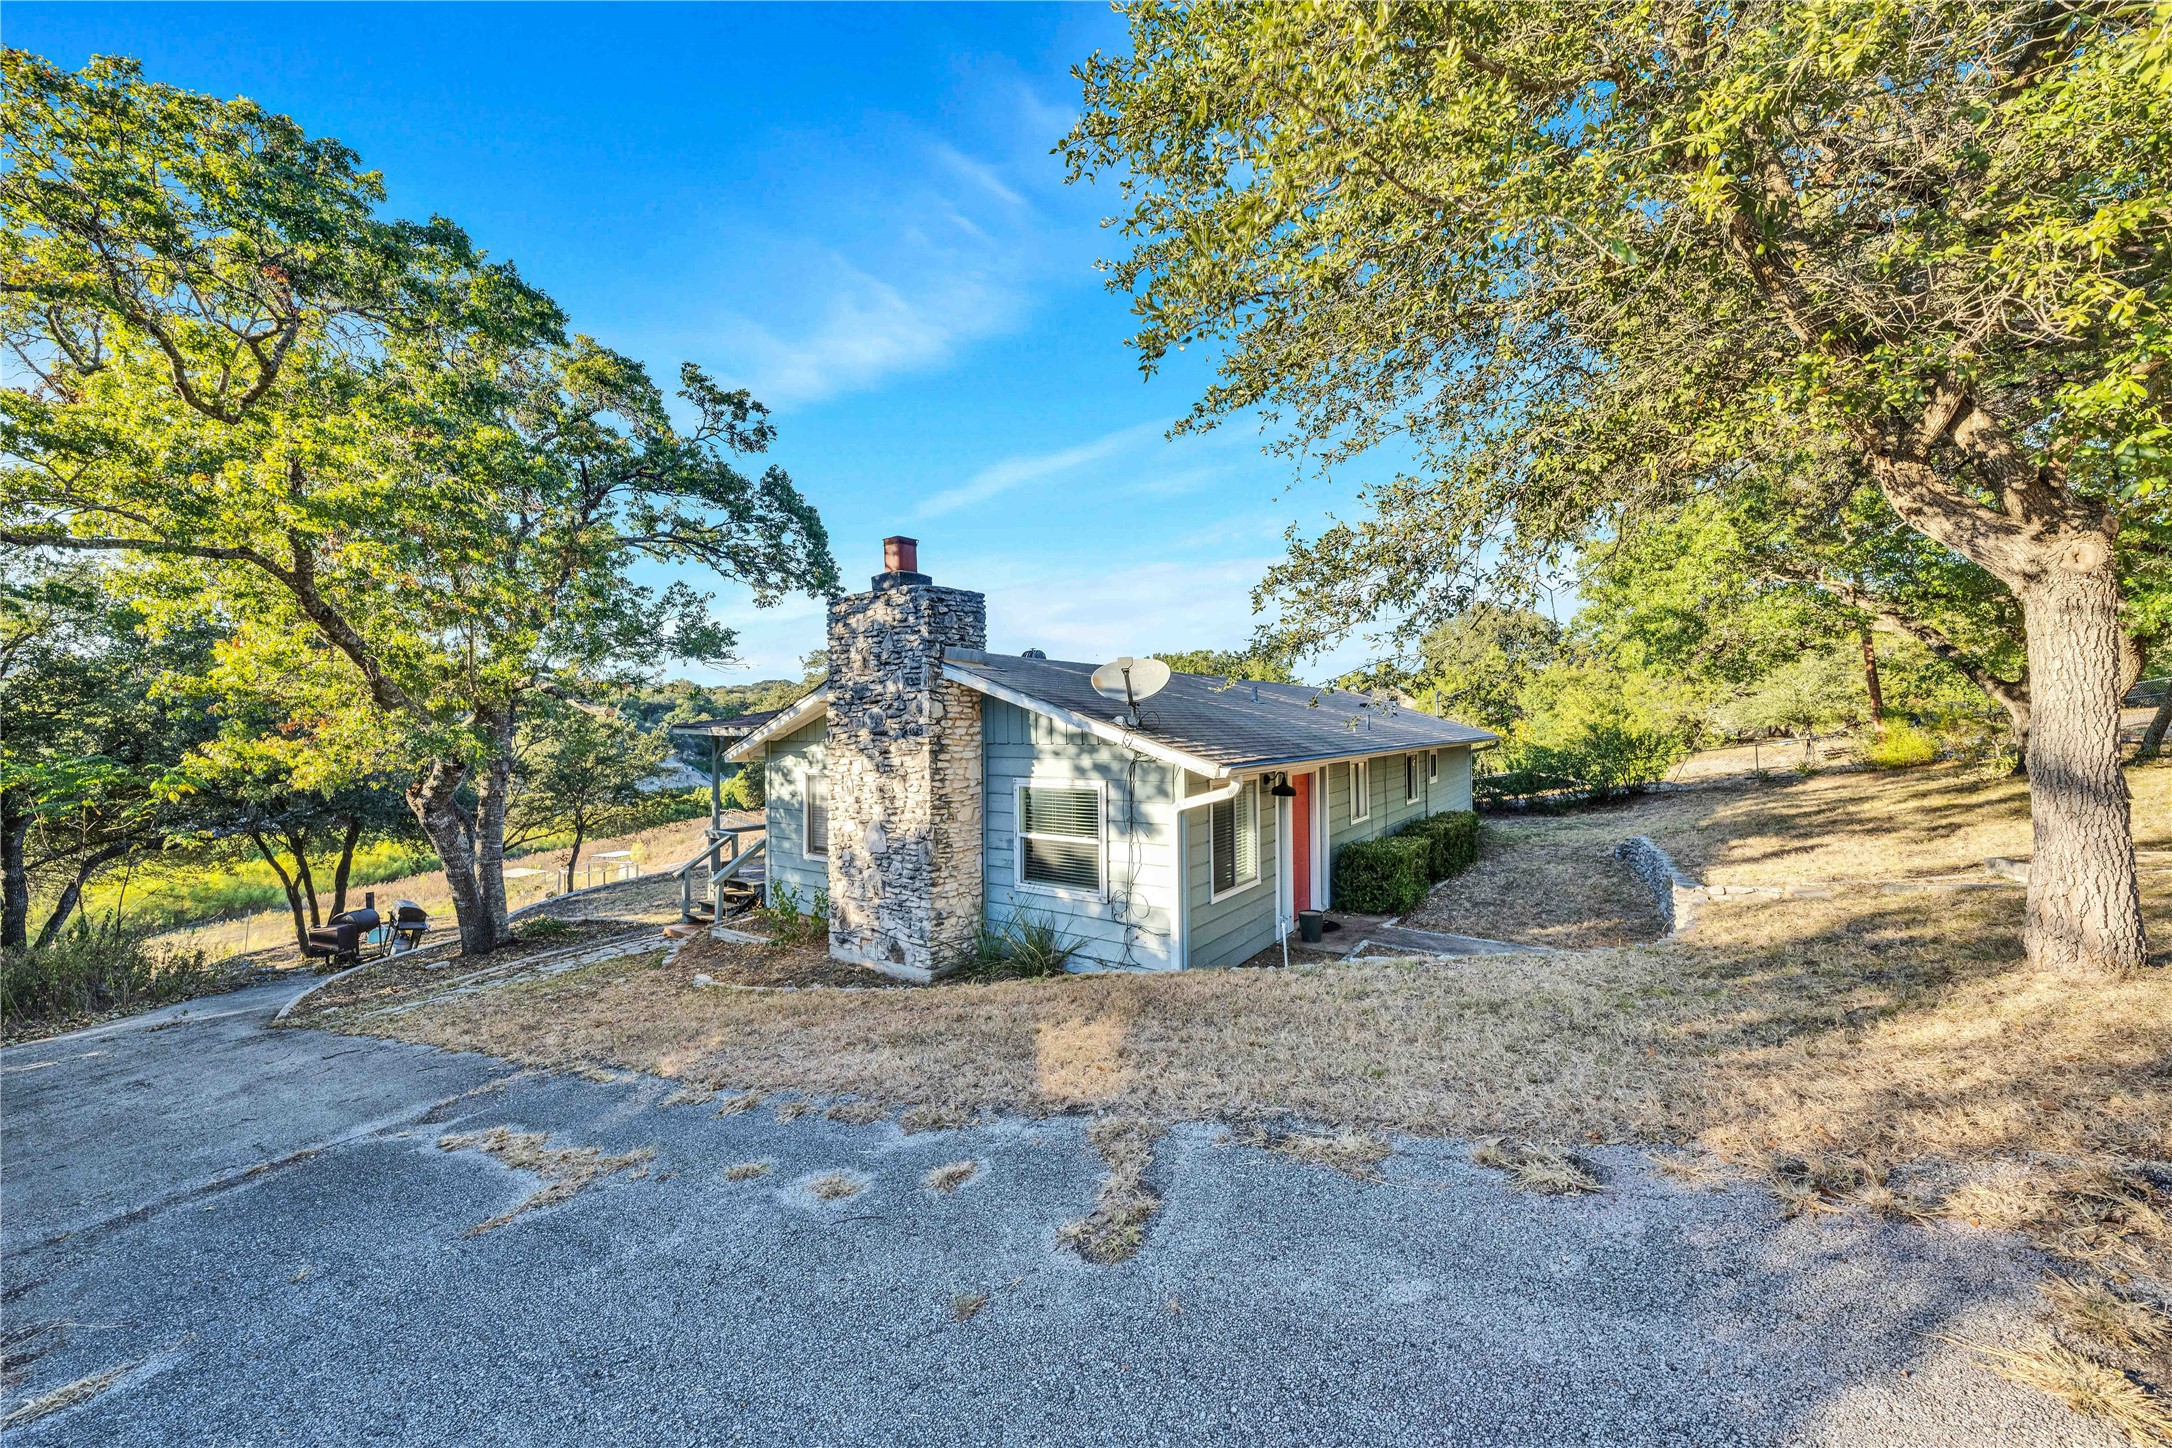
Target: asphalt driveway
(247,1235)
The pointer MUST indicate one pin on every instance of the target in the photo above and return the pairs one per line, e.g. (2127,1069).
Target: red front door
(1301,842)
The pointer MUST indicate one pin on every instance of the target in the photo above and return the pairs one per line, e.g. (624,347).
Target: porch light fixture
(1283,788)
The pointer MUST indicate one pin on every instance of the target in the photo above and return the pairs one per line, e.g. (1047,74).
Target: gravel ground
(335,1297)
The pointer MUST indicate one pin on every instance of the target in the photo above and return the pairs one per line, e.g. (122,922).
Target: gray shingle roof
(1234,725)
(731,727)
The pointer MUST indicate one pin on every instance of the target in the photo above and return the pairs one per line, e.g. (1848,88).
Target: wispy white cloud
(925,259)
(980,173)
(869,328)
(1000,477)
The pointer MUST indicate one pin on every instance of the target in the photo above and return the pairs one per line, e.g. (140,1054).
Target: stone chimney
(904,762)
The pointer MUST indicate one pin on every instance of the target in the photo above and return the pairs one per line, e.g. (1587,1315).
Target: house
(929,787)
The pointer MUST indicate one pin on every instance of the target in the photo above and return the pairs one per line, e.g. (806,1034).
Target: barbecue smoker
(354,936)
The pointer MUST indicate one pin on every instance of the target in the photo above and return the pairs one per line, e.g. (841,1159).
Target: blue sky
(851,210)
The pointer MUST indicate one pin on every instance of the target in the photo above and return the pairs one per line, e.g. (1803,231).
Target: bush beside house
(1383,877)
(1452,842)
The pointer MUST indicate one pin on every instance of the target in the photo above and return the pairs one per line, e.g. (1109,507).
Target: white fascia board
(792,718)
(1108,732)
(1303,763)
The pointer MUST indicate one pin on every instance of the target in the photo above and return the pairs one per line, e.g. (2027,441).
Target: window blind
(1059,837)
(1233,831)
(818,814)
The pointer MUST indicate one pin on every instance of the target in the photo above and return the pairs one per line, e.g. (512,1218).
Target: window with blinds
(1410,779)
(1233,825)
(818,813)
(1361,789)
(1059,837)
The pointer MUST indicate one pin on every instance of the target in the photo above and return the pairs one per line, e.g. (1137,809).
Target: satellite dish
(1129,680)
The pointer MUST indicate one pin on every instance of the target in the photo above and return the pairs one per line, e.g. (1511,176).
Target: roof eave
(791,717)
(1299,761)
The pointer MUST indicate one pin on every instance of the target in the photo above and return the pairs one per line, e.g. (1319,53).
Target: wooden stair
(737,884)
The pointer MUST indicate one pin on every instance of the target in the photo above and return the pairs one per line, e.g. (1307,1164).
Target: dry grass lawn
(1589,898)
(1857,825)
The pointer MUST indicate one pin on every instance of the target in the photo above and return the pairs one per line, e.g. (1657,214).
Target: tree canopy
(317,420)
(1583,263)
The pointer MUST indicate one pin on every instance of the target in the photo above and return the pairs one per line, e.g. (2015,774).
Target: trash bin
(1310,925)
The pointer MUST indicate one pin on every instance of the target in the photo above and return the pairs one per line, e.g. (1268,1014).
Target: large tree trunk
(492,793)
(14,874)
(2085,910)
(434,798)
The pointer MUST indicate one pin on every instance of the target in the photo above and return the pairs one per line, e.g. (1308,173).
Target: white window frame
(1361,791)
(1410,779)
(1259,870)
(1432,766)
(807,780)
(1100,788)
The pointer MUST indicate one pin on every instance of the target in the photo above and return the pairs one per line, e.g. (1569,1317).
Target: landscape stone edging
(1678,896)
(1674,893)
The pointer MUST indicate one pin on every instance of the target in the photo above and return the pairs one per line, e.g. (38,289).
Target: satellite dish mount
(1129,681)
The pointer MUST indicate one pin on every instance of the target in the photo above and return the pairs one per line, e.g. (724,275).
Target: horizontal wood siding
(1133,926)
(790,759)
(1239,926)
(1452,791)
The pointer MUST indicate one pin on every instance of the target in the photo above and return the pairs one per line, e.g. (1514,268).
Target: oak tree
(1580,260)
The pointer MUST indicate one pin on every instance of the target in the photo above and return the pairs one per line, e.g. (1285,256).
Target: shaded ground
(1862,825)
(296,1256)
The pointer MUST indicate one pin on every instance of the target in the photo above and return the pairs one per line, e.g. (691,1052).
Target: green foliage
(1025,947)
(745,790)
(1451,842)
(1384,876)
(787,924)
(1580,262)
(1262,666)
(1480,664)
(1601,762)
(544,927)
(1816,692)
(1591,704)
(83,971)
(361,432)
(579,774)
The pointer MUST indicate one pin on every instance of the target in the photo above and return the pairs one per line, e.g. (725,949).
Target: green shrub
(1382,877)
(1026,947)
(86,971)
(1451,841)
(744,790)
(787,924)
(1903,746)
(1602,761)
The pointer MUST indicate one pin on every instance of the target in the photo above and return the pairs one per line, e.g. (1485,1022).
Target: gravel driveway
(243,1235)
